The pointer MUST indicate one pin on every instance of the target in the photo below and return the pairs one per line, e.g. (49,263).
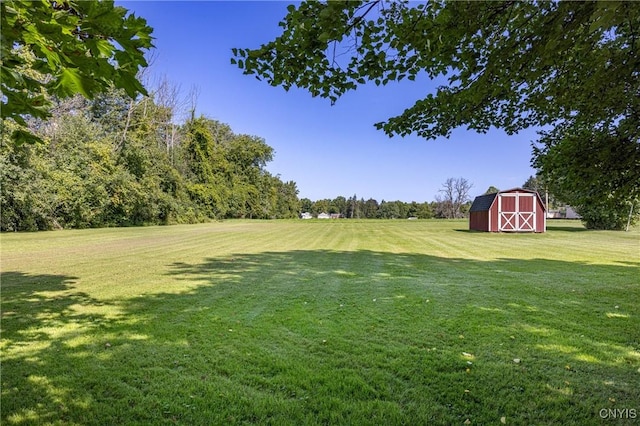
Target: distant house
(323,215)
(306,215)
(566,212)
(335,215)
(570,213)
(513,210)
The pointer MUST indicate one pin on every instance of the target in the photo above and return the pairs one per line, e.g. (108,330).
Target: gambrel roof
(483,202)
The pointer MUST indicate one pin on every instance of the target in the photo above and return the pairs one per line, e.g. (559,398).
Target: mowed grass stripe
(318,322)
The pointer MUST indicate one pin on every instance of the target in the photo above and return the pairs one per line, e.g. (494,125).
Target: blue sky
(327,150)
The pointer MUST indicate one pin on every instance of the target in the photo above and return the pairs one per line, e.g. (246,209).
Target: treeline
(354,208)
(112,161)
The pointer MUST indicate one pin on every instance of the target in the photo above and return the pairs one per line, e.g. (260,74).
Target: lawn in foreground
(312,322)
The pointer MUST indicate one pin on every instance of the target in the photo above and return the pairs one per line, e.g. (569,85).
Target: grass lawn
(320,322)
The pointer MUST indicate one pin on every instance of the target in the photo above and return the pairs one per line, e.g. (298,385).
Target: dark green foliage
(105,163)
(390,210)
(24,197)
(602,216)
(595,170)
(354,208)
(228,176)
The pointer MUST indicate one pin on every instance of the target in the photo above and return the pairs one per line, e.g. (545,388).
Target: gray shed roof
(483,202)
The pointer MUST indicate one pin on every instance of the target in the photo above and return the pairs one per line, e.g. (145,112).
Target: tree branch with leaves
(61,48)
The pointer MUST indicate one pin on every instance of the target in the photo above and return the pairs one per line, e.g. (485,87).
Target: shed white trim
(517,220)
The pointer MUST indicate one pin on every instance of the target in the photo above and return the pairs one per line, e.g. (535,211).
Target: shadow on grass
(33,307)
(559,228)
(29,299)
(328,337)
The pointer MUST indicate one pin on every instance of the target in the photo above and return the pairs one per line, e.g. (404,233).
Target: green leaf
(80,63)
(104,48)
(70,82)
(22,136)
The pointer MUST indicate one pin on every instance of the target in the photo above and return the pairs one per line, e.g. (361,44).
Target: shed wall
(541,219)
(478,221)
(493,218)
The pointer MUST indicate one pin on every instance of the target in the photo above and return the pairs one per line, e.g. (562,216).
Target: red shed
(513,210)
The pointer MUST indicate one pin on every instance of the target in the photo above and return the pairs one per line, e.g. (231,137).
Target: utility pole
(546,200)
(630,214)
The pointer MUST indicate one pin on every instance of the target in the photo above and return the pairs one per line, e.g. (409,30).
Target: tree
(512,65)
(455,193)
(84,173)
(424,211)
(339,206)
(353,208)
(61,48)
(287,205)
(167,96)
(370,208)
(534,183)
(509,64)
(595,170)
(26,200)
(388,210)
(538,184)
(306,205)
(491,190)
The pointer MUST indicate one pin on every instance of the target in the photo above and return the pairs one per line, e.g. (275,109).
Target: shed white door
(516,212)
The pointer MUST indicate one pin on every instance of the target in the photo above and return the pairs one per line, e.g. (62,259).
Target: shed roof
(483,202)
(531,191)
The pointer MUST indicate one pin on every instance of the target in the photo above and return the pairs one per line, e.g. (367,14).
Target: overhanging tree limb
(541,61)
(60,48)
